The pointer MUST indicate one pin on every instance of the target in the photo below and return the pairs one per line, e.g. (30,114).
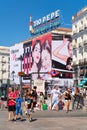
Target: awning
(85,79)
(80,85)
(83,82)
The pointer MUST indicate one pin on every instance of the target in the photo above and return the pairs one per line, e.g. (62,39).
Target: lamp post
(13,72)
(21,59)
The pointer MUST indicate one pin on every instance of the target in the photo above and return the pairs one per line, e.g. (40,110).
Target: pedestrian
(11,103)
(41,100)
(55,98)
(67,96)
(18,106)
(29,106)
(1,104)
(34,95)
(61,103)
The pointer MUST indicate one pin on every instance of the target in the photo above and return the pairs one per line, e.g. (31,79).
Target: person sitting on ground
(61,104)
(44,105)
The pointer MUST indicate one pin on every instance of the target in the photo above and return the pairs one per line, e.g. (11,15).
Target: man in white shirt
(55,97)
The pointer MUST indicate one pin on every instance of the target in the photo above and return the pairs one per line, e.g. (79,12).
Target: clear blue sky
(14,16)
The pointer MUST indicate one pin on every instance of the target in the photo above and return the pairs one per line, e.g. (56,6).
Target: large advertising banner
(40,85)
(15,64)
(62,56)
(41,57)
(27,60)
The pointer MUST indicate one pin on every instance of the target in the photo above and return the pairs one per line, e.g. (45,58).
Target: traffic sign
(21,73)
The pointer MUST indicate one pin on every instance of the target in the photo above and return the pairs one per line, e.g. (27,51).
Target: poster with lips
(62,56)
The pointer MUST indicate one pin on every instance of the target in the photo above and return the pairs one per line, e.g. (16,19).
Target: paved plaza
(47,120)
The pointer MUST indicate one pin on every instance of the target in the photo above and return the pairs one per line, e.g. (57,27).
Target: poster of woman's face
(41,56)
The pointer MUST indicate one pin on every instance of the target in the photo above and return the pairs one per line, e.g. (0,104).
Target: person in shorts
(11,103)
(67,95)
(29,106)
(18,106)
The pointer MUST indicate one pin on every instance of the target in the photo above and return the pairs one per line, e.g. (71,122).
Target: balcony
(85,25)
(81,44)
(81,28)
(3,61)
(4,70)
(74,32)
(74,46)
(81,62)
(85,60)
(85,42)
(74,63)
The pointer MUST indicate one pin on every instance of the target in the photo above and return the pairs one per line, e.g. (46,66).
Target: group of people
(57,99)
(18,105)
(14,103)
(33,101)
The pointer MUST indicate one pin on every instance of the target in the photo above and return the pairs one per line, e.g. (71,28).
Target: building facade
(44,58)
(79,40)
(4,68)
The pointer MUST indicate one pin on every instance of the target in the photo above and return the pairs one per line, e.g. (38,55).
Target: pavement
(47,120)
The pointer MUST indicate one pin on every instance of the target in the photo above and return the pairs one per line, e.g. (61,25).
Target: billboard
(41,57)
(27,57)
(45,24)
(40,85)
(62,56)
(20,65)
(15,65)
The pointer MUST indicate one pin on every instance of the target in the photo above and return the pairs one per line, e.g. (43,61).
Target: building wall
(79,40)
(4,64)
(57,35)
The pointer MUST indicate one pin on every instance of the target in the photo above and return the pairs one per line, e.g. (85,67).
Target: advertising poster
(41,57)
(15,63)
(62,56)
(27,54)
(40,85)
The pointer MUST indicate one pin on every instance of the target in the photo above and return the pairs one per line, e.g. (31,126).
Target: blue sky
(14,16)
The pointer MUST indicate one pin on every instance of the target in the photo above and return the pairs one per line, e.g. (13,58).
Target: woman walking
(67,96)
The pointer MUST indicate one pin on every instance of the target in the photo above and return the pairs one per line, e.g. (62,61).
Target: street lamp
(21,59)
(13,72)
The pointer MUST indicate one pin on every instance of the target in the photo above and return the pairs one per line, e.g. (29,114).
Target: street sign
(21,73)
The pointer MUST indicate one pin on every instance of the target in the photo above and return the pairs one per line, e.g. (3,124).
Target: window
(85,48)
(81,50)
(75,52)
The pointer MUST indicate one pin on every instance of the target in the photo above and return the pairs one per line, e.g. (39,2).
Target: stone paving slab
(46,123)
